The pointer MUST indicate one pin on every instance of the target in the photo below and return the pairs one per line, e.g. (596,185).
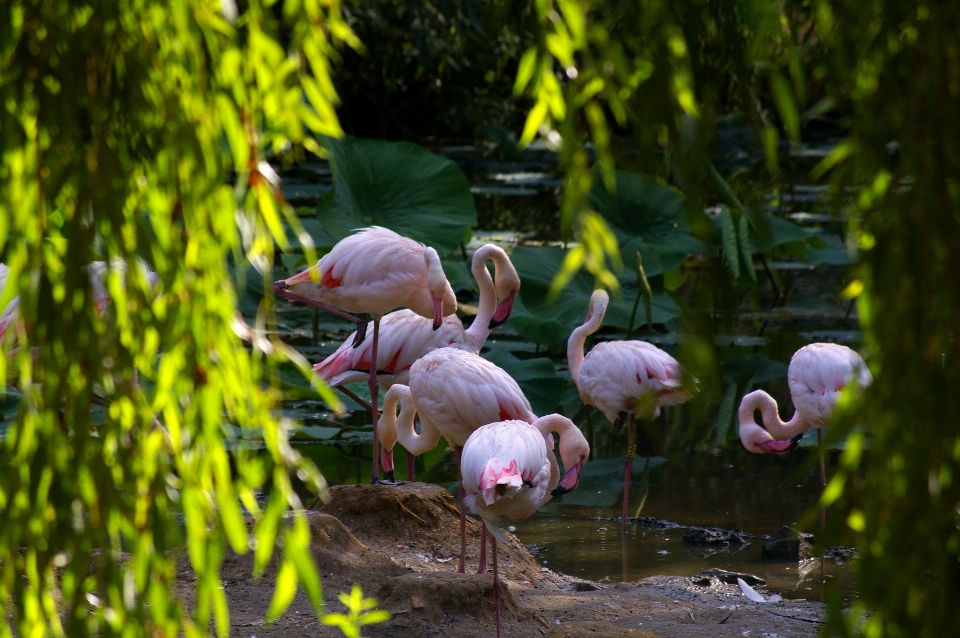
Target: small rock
(729,577)
(787,544)
(584,585)
(715,536)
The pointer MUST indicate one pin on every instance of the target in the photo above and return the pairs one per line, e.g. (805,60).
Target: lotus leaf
(397,185)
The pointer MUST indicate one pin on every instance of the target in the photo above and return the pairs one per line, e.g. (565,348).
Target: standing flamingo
(454,392)
(374,271)
(817,374)
(405,336)
(508,468)
(623,378)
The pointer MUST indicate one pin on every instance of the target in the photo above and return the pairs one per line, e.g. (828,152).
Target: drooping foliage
(139,130)
(895,68)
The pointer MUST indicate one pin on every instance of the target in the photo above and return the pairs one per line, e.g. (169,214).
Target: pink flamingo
(508,468)
(454,392)
(12,309)
(405,336)
(817,374)
(374,271)
(95,271)
(621,378)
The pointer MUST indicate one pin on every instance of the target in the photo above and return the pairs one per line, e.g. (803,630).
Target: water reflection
(729,489)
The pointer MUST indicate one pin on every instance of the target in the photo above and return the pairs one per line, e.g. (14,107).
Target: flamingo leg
(374,394)
(496,581)
(628,473)
(411,462)
(823,510)
(461,568)
(363,404)
(280,290)
(482,569)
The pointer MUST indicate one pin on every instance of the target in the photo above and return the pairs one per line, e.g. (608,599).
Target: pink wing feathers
(631,376)
(459,391)
(405,337)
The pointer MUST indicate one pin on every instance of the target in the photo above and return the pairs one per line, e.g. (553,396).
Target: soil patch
(402,545)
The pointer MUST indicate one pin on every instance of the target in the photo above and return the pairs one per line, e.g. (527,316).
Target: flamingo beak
(569,481)
(386,460)
(504,308)
(781,448)
(437,313)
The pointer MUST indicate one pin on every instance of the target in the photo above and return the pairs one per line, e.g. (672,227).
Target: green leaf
(728,234)
(547,322)
(743,231)
(786,105)
(725,412)
(781,232)
(397,185)
(285,590)
(649,217)
(536,377)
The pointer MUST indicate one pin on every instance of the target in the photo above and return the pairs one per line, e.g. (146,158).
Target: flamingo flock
(429,365)
(419,352)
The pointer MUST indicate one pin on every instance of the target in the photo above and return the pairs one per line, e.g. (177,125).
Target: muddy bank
(402,544)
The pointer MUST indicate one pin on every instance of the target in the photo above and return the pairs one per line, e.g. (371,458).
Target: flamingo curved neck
(770,415)
(400,429)
(479,330)
(578,337)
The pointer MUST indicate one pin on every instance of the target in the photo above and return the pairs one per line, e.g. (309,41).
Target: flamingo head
(386,461)
(574,452)
(598,305)
(507,285)
(444,301)
(757,440)
(304,286)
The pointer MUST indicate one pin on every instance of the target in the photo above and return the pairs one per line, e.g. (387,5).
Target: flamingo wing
(459,392)
(818,374)
(631,376)
(405,337)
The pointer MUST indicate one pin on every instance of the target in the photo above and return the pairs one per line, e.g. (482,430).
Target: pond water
(579,533)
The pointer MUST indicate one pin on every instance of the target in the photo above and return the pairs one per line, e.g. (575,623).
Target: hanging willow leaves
(140,132)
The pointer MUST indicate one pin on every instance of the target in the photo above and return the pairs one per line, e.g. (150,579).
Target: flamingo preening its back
(374,271)
(623,378)
(508,468)
(454,392)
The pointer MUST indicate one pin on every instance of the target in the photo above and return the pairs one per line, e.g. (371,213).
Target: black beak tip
(559,491)
(794,442)
(494,323)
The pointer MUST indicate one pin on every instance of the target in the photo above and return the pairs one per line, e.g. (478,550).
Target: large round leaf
(547,322)
(397,185)
(649,217)
(536,377)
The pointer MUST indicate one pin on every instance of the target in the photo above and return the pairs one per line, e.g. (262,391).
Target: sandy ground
(402,543)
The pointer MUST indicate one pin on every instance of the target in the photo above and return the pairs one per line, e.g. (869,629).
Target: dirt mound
(419,525)
(595,629)
(337,553)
